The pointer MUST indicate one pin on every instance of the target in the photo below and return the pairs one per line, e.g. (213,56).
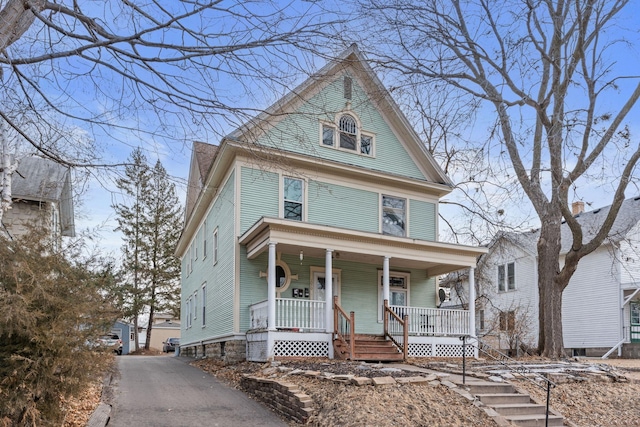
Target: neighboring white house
(41,195)
(600,306)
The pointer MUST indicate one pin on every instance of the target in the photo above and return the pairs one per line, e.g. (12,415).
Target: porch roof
(358,246)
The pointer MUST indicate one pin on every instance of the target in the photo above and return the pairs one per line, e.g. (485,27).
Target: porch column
(328,290)
(385,279)
(472,302)
(271,288)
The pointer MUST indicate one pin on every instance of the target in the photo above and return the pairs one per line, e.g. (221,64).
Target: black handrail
(520,369)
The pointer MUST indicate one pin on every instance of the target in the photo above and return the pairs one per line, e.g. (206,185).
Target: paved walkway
(166,391)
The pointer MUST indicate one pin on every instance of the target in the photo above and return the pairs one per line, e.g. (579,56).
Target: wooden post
(385,317)
(335,315)
(352,334)
(405,343)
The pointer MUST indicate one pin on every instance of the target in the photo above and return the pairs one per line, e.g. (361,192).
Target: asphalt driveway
(167,391)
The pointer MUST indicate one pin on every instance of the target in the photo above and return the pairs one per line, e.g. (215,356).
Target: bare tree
(153,71)
(551,74)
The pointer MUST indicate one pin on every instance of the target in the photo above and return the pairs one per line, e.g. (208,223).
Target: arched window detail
(348,132)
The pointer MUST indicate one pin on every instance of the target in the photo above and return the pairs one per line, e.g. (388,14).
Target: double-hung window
(293,198)
(507,277)
(204,305)
(215,246)
(394,216)
(507,320)
(347,136)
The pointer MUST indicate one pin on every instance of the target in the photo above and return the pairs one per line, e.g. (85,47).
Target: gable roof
(354,59)
(591,221)
(202,158)
(43,180)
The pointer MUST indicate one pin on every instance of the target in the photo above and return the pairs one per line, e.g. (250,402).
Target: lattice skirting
(420,350)
(438,350)
(301,348)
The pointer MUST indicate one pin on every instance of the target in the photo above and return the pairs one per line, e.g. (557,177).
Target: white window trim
(336,135)
(195,305)
(406,213)
(335,287)
(204,241)
(204,304)
(215,246)
(506,277)
(407,279)
(304,196)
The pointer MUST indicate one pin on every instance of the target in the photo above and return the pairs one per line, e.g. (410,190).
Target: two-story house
(41,196)
(600,306)
(304,221)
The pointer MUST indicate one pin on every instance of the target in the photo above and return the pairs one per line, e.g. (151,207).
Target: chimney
(577,208)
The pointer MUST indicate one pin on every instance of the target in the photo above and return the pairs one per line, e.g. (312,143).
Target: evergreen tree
(131,221)
(163,223)
(150,224)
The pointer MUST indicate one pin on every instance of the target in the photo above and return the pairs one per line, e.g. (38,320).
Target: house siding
(524,299)
(590,304)
(259,196)
(336,205)
(630,259)
(299,132)
(422,220)
(219,278)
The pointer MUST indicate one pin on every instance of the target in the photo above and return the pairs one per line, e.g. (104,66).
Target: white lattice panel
(301,348)
(419,350)
(452,350)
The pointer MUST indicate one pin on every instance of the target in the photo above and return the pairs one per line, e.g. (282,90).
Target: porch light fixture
(301,256)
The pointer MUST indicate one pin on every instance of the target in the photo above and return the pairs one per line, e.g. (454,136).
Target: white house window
(195,305)
(348,132)
(204,241)
(293,198)
(398,291)
(215,246)
(507,320)
(327,135)
(347,135)
(204,305)
(394,214)
(507,277)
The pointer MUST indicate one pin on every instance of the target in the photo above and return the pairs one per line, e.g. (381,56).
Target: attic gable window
(507,277)
(347,135)
(348,132)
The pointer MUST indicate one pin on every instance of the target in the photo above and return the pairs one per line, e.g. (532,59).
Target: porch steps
(370,348)
(516,407)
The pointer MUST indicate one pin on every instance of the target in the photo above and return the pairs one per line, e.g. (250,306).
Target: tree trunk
(149,327)
(550,341)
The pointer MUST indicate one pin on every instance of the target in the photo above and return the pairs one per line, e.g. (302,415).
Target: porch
(311,322)
(300,331)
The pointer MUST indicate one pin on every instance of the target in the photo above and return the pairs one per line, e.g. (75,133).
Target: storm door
(635,321)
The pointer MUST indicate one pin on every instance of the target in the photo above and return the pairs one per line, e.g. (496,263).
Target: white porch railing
(432,321)
(300,314)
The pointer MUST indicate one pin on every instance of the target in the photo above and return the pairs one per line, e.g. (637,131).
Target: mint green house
(312,231)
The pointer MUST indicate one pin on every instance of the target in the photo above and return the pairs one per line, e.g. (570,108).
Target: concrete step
(519,409)
(503,398)
(490,388)
(535,420)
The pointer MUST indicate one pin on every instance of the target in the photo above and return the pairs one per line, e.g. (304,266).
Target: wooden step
(369,348)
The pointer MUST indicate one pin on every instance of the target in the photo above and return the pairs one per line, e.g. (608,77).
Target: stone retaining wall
(284,398)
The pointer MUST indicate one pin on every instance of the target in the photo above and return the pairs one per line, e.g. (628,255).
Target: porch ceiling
(357,246)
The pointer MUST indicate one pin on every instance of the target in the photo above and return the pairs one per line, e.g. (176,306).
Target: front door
(635,321)
(319,286)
